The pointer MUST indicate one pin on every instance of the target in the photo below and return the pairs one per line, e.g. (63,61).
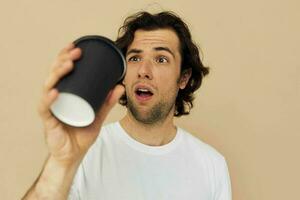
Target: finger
(71,55)
(50,122)
(57,74)
(61,68)
(75,54)
(67,48)
(45,103)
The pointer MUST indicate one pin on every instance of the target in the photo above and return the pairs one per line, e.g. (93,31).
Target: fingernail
(51,93)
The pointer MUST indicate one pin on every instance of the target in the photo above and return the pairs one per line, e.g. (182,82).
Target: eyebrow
(133,51)
(164,49)
(155,48)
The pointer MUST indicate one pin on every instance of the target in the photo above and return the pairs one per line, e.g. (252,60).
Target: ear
(184,78)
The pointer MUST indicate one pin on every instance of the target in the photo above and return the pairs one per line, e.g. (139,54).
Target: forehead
(159,37)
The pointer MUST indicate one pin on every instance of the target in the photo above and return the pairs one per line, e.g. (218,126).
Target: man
(144,155)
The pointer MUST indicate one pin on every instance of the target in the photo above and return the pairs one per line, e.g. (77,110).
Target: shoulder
(208,157)
(199,148)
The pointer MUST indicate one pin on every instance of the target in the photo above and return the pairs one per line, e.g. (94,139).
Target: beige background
(248,107)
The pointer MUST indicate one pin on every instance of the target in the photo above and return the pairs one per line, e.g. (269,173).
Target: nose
(145,70)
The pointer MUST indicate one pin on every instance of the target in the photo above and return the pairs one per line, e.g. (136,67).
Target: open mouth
(143,92)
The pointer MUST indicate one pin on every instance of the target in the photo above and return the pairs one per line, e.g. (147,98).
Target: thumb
(112,98)
(114,95)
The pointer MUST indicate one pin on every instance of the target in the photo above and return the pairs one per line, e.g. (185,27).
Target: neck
(156,134)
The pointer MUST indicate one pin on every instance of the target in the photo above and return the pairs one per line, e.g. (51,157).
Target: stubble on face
(158,112)
(154,115)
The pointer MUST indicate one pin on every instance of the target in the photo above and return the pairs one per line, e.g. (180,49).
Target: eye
(162,59)
(134,59)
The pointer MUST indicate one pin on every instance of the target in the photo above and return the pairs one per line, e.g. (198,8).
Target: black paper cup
(83,91)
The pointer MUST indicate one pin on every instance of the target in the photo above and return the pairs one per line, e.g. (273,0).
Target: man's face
(153,78)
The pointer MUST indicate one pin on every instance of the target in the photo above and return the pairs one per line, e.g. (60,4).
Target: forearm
(54,182)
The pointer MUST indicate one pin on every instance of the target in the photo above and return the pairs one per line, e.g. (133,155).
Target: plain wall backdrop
(247,108)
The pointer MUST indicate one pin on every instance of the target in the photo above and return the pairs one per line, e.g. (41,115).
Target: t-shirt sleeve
(74,190)
(223,186)
(73,194)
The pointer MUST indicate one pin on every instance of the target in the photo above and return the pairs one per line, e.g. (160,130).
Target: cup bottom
(72,110)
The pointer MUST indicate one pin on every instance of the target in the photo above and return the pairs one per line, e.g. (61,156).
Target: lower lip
(143,98)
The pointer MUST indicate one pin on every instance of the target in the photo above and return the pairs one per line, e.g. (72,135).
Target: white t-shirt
(117,167)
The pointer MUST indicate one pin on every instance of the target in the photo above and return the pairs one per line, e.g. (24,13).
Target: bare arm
(54,182)
(67,145)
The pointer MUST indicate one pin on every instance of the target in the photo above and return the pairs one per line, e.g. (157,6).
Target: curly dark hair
(188,49)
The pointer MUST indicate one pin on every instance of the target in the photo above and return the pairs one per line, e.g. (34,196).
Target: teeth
(143,90)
